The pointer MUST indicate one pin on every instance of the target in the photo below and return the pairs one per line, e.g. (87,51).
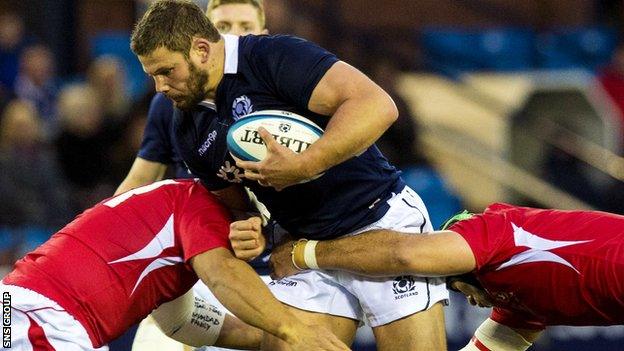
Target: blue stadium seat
(7,239)
(581,47)
(118,44)
(453,51)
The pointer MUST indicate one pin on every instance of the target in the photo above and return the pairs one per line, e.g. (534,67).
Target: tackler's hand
(246,238)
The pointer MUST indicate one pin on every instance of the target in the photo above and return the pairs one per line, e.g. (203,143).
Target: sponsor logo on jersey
(211,137)
(230,172)
(538,249)
(241,106)
(404,286)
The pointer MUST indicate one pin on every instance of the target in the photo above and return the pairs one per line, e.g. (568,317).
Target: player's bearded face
(196,89)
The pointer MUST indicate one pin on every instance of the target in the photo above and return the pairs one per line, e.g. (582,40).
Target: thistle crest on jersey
(230,172)
(241,106)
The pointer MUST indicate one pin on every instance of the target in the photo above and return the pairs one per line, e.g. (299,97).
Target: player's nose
(161,85)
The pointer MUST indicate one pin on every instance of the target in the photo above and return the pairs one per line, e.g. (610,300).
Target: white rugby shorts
(38,323)
(375,301)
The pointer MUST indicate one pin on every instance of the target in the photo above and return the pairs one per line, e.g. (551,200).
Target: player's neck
(216,65)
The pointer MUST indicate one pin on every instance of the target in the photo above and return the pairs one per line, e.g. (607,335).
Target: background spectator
(31,187)
(84,145)
(37,83)
(12,42)
(107,77)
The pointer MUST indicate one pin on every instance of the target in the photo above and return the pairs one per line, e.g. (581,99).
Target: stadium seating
(454,51)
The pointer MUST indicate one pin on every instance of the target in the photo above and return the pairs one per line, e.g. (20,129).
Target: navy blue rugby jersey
(157,144)
(280,72)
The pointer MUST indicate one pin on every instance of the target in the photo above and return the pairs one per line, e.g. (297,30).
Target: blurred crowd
(65,142)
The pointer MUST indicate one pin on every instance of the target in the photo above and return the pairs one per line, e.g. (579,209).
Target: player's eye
(163,72)
(223,27)
(166,72)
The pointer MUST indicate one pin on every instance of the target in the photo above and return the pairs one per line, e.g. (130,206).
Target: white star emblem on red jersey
(538,249)
(163,240)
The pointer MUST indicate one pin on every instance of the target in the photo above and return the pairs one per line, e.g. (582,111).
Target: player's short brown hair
(213,4)
(171,24)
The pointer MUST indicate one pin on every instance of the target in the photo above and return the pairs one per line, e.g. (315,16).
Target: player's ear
(201,48)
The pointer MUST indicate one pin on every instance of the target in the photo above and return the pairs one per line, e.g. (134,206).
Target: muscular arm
(361,111)
(142,172)
(240,289)
(388,253)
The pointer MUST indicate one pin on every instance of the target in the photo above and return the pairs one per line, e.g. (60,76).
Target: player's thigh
(344,328)
(419,331)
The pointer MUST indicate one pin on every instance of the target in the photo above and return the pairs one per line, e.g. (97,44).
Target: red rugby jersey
(549,267)
(119,260)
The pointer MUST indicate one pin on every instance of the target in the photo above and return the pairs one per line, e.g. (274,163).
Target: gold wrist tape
(298,254)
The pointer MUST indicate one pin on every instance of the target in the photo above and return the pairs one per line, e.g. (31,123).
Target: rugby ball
(289,129)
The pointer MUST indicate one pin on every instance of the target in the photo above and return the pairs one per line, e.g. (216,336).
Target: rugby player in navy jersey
(238,17)
(157,153)
(191,63)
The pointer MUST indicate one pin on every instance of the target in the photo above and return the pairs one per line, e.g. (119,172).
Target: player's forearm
(240,289)
(372,254)
(130,183)
(244,293)
(387,253)
(355,126)
(141,173)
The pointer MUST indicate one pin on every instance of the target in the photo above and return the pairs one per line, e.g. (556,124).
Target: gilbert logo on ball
(291,130)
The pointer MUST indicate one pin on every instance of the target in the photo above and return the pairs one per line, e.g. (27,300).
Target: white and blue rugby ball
(289,129)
